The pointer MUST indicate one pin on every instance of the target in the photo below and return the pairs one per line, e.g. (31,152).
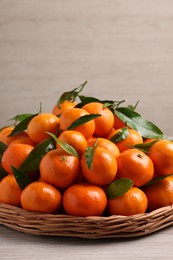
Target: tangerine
(70,115)
(84,199)
(161,153)
(67,104)
(15,155)
(134,201)
(159,194)
(75,139)
(132,139)
(10,192)
(105,143)
(135,165)
(24,140)
(103,168)
(59,168)
(6,139)
(118,123)
(41,197)
(104,123)
(40,124)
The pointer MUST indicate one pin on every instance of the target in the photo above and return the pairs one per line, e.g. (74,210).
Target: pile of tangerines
(88,157)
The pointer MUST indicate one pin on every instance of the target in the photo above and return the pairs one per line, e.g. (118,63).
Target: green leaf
(32,162)
(3,173)
(144,147)
(160,178)
(107,104)
(111,104)
(133,107)
(89,154)
(82,120)
(20,127)
(70,95)
(134,120)
(21,177)
(3,147)
(118,188)
(120,136)
(20,117)
(85,100)
(66,147)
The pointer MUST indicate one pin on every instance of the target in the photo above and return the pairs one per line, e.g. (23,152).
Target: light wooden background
(123,48)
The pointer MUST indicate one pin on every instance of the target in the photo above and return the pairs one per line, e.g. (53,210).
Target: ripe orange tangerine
(160,194)
(15,155)
(10,192)
(67,104)
(103,169)
(135,165)
(134,201)
(105,143)
(40,124)
(41,197)
(132,139)
(6,139)
(59,168)
(104,123)
(75,139)
(161,153)
(84,199)
(118,123)
(23,140)
(70,115)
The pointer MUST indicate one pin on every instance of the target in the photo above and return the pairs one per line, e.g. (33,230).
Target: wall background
(123,48)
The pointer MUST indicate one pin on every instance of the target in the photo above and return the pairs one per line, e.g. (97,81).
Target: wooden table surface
(125,51)
(16,245)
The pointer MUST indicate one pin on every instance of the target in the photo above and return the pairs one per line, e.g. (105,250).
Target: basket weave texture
(85,227)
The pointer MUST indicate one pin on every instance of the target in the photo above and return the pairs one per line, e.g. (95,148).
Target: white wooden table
(16,245)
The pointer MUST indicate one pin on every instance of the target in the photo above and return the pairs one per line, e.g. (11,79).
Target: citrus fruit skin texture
(24,140)
(105,122)
(134,201)
(84,199)
(41,197)
(70,115)
(6,139)
(75,139)
(67,104)
(161,154)
(132,139)
(118,123)
(40,124)
(15,155)
(160,193)
(135,165)
(103,169)
(10,192)
(105,143)
(59,168)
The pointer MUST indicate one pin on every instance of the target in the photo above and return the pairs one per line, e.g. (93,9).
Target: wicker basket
(85,227)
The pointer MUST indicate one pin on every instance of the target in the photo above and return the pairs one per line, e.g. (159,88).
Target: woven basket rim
(85,227)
